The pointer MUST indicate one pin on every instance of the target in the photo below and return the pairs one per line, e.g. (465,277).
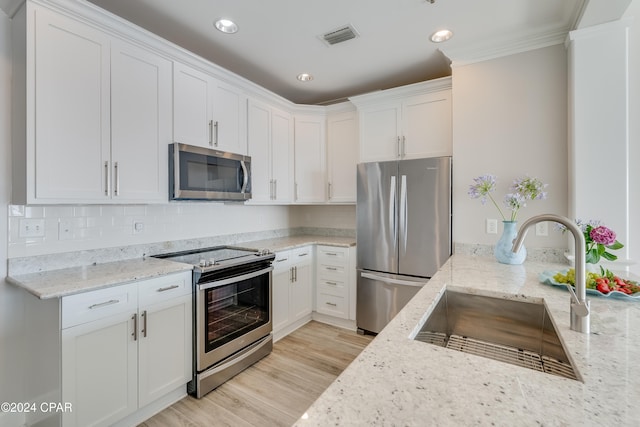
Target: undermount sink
(516,332)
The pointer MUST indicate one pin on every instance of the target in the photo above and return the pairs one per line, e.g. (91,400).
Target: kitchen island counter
(397,381)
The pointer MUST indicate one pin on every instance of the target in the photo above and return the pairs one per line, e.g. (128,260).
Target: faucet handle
(579,308)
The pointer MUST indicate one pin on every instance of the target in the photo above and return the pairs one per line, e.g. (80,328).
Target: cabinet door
(259,129)
(164,349)
(300,291)
(192,109)
(229,118)
(342,150)
(427,126)
(309,164)
(281,155)
(140,123)
(379,133)
(281,280)
(71,96)
(99,371)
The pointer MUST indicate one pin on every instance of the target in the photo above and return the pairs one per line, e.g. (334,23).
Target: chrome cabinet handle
(295,274)
(332,304)
(304,254)
(211,133)
(329,191)
(106,178)
(404,146)
(399,150)
(102,304)
(331,268)
(282,259)
(331,283)
(215,133)
(271,189)
(331,253)
(134,334)
(116,190)
(275,189)
(167,288)
(144,323)
(291,274)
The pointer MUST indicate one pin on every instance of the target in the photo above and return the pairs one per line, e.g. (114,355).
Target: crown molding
(469,54)
(402,92)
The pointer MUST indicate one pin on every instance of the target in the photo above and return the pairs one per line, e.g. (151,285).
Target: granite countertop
(68,281)
(397,381)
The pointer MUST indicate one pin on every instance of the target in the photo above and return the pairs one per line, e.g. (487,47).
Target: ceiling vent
(339,35)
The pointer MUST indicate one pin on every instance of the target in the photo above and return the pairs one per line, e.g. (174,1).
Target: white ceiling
(278,39)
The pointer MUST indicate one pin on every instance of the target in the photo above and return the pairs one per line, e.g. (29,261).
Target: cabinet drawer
(331,270)
(282,260)
(333,255)
(94,305)
(164,288)
(304,254)
(331,286)
(332,305)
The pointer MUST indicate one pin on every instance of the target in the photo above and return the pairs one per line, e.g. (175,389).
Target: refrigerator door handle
(392,208)
(391,280)
(404,211)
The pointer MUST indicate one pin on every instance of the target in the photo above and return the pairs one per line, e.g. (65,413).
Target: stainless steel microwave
(197,173)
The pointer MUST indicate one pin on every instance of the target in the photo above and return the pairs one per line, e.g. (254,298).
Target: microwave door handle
(245,179)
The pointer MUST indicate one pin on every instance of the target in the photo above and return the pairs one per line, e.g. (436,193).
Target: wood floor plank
(276,390)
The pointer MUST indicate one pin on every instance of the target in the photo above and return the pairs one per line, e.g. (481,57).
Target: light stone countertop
(397,381)
(68,281)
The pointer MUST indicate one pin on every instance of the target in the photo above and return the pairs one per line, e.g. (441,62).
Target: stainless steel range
(232,312)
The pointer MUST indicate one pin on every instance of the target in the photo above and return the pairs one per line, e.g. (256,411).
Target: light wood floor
(277,389)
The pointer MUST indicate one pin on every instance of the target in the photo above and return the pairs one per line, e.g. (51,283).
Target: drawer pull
(282,259)
(331,283)
(331,253)
(134,334)
(331,268)
(144,323)
(103,304)
(332,304)
(168,288)
(304,254)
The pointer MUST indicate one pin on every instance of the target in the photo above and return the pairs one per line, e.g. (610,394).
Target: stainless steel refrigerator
(403,233)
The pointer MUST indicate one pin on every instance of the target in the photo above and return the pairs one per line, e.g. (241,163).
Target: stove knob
(212,261)
(202,263)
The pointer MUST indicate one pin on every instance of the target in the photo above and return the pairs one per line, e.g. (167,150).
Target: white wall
(11,388)
(510,120)
(634,136)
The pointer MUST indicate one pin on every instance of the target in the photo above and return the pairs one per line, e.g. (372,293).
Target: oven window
(235,309)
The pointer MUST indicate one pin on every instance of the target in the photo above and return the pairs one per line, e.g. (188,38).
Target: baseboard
(153,408)
(334,321)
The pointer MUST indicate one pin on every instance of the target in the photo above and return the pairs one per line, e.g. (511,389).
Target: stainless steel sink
(516,332)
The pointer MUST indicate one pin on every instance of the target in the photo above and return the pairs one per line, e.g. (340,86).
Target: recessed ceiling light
(441,36)
(305,77)
(226,26)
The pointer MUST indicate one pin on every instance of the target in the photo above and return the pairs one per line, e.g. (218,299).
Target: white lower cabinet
(292,290)
(332,281)
(125,347)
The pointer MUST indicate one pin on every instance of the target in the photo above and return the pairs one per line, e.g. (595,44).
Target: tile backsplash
(88,227)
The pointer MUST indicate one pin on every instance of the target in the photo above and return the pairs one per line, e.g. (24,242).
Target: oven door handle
(223,282)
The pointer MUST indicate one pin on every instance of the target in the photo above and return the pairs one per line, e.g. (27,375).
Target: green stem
(498,207)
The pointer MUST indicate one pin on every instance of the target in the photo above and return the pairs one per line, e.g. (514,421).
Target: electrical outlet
(138,227)
(542,229)
(64,230)
(31,228)
(492,226)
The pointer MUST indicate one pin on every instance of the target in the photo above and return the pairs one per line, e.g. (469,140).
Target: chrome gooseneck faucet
(579,303)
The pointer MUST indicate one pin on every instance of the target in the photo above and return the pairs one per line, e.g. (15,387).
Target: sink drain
(514,356)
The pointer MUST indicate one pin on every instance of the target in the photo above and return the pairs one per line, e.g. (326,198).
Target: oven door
(231,313)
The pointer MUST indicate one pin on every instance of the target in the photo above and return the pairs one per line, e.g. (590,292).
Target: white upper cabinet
(408,122)
(68,132)
(270,146)
(140,123)
(208,112)
(310,165)
(342,157)
(97,114)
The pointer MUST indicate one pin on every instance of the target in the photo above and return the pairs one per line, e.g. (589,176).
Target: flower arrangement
(598,239)
(522,190)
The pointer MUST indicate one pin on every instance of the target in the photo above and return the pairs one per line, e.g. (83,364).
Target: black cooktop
(209,259)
